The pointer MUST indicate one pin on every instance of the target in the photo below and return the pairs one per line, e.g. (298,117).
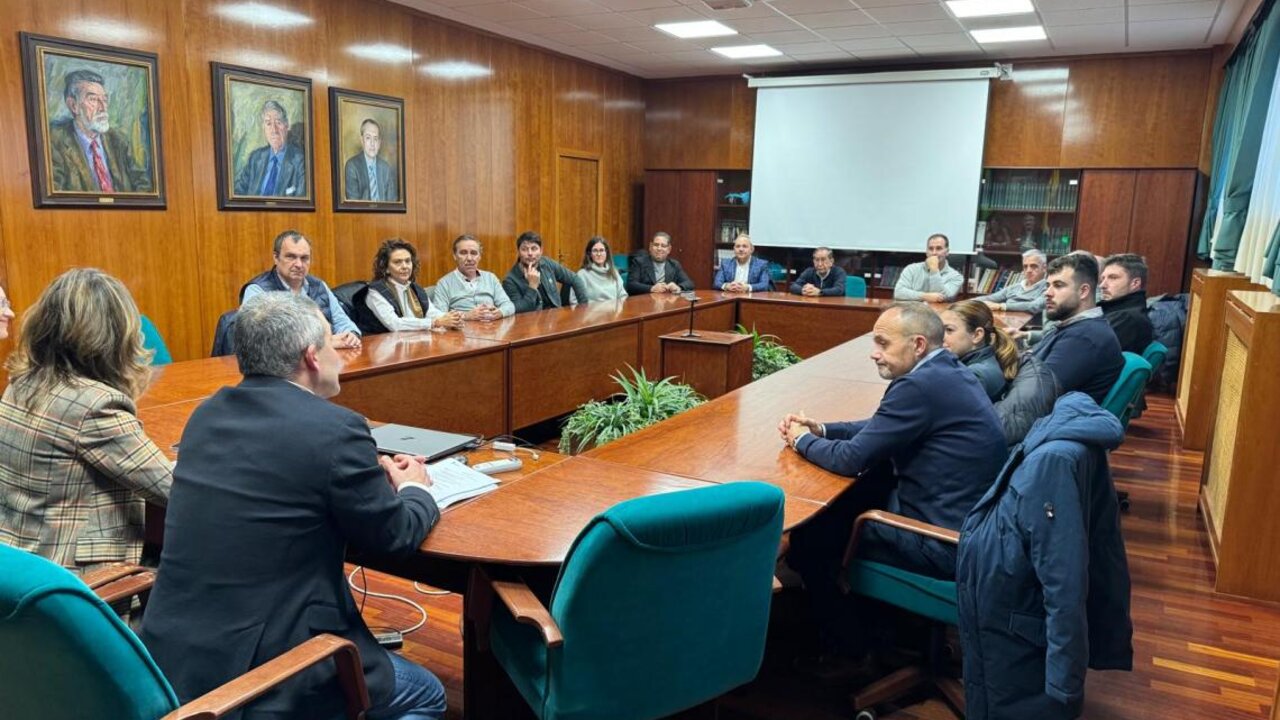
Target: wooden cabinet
(683,203)
(1238,498)
(1147,212)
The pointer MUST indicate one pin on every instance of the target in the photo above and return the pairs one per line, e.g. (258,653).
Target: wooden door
(682,203)
(1160,230)
(1106,211)
(577,209)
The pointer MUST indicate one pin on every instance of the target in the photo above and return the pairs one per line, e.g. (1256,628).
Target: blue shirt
(86,147)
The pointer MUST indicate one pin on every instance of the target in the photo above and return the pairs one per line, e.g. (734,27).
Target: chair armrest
(118,581)
(897,521)
(525,607)
(248,687)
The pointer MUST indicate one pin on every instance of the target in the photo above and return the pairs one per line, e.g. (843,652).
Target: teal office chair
(855,286)
(151,340)
(621,262)
(919,594)
(1155,354)
(1123,396)
(68,656)
(662,604)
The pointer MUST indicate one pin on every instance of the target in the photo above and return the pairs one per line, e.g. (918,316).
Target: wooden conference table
(490,378)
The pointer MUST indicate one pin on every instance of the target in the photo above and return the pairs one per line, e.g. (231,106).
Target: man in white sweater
(932,280)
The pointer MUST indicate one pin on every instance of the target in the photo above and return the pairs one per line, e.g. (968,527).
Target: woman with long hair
(599,274)
(76,469)
(986,349)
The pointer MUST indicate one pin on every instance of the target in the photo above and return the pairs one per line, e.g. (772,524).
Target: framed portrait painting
(367,138)
(93,122)
(262,140)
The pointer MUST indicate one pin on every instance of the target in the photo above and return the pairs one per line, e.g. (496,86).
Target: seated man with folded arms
(1124,300)
(475,292)
(932,280)
(292,255)
(1026,296)
(929,452)
(656,271)
(272,484)
(824,278)
(531,281)
(396,300)
(1080,348)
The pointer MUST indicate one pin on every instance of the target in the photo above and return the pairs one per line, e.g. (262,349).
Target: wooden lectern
(713,363)
(1239,498)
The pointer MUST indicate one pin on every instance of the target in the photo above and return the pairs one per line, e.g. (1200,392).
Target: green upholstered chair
(151,340)
(622,262)
(68,656)
(662,604)
(1124,394)
(1155,355)
(855,287)
(919,594)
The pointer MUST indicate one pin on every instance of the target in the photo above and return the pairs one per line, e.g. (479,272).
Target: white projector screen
(878,166)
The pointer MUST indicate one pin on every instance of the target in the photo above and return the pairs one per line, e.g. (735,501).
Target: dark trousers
(818,547)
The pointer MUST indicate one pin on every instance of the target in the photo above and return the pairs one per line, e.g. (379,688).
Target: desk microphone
(692,297)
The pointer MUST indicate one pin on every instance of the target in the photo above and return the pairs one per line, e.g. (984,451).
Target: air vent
(727,4)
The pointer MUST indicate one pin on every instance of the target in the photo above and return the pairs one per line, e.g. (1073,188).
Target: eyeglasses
(5,305)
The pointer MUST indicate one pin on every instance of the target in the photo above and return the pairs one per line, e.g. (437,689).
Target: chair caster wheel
(1124,505)
(865,715)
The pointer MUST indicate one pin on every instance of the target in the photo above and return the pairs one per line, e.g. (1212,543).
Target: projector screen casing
(868,166)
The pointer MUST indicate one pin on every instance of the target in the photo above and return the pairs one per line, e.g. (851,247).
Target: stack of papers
(453,481)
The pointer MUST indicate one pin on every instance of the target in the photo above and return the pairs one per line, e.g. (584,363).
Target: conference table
(491,378)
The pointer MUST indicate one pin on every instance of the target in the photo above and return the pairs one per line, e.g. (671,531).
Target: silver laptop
(409,440)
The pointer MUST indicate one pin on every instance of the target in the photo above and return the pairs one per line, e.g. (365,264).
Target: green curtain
(1271,260)
(1247,94)
(1225,126)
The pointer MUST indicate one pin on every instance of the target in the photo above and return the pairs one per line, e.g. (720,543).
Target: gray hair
(272,105)
(1037,254)
(273,330)
(825,249)
(293,235)
(75,79)
(917,319)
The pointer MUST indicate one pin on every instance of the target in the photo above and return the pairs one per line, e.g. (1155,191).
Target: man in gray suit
(369,177)
(279,168)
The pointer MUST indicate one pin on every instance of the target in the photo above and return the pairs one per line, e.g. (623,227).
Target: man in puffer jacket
(1041,576)
(1030,397)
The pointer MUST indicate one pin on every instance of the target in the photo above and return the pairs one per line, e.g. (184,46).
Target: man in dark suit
(656,271)
(279,168)
(368,176)
(1124,300)
(929,452)
(86,153)
(272,484)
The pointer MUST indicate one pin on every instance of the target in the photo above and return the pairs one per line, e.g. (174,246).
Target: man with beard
(925,454)
(86,154)
(1124,300)
(1081,349)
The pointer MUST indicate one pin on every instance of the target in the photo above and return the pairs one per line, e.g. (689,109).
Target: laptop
(431,444)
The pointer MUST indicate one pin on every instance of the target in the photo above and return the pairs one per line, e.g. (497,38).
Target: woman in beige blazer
(76,468)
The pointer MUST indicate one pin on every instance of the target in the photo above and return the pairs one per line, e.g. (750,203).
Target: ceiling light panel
(1014,34)
(987,8)
(700,29)
(740,52)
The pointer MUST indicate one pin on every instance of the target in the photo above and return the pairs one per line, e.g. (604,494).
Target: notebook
(408,440)
(453,481)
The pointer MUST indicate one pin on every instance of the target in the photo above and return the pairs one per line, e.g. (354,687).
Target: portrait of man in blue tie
(368,176)
(277,169)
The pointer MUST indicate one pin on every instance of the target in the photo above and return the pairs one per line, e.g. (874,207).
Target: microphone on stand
(692,297)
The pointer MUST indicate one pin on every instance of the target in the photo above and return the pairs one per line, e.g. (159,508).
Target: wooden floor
(1197,655)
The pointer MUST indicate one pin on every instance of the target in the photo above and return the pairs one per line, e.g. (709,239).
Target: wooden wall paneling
(1162,209)
(624,172)
(1136,111)
(1025,116)
(366,25)
(578,189)
(682,204)
(154,252)
(701,124)
(535,140)
(742,121)
(1106,211)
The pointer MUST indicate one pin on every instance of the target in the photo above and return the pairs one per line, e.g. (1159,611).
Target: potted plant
(641,403)
(768,356)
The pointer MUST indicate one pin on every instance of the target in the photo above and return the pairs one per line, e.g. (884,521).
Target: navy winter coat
(1042,580)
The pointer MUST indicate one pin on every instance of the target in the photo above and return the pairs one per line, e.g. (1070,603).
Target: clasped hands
(735,287)
(484,313)
(796,424)
(403,469)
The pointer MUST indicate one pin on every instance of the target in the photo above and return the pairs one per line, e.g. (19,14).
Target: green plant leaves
(641,403)
(768,355)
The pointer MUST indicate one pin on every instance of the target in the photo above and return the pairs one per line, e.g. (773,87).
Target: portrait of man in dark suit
(368,176)
(279,168)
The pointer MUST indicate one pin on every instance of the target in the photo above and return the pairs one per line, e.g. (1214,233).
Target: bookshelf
(1018,210)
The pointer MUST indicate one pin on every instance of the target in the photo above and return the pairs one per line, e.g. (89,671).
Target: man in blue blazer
(279,168)
(272,483)
(743,272)
(929,452)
